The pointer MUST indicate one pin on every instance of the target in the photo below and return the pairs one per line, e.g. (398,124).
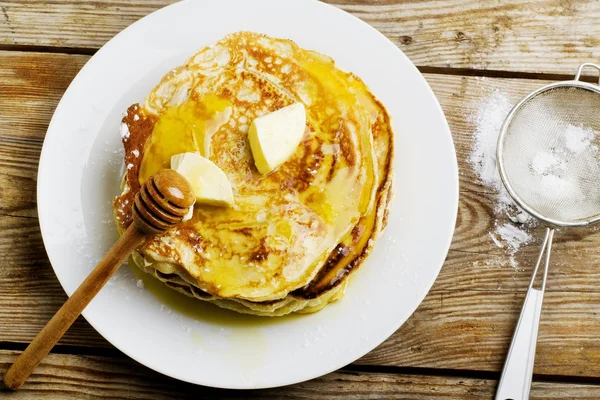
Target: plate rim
(443,254)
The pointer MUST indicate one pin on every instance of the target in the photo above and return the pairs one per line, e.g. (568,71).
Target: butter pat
(275,136)
(209,182)
(189,215)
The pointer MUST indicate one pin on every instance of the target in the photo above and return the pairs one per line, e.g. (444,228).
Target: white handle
(515,381)
(518,369)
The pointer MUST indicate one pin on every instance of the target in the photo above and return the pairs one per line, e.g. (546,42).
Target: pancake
(295,235)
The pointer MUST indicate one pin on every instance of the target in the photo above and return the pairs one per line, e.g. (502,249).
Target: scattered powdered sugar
(140,284)
(558,186)
(487,120)
(124,131)
(136,153)
(544,162)
(565,167)
(578,139)
(513,236)
(495,240)
(520,218)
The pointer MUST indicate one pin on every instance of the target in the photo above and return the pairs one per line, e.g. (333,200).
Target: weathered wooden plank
(29,291)
(453,33)
(535,36)
(477,324)
(477,296)
(79,377)
(18,169)
(576,252)
(31,85)
(21,134)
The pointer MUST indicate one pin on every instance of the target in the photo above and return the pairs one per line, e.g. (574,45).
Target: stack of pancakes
(295,235)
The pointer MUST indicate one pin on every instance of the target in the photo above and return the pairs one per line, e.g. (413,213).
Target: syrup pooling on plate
(311,217)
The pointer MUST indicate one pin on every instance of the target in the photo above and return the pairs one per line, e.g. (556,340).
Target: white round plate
(80,170)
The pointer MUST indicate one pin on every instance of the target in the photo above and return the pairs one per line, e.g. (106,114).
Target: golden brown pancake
(295,234)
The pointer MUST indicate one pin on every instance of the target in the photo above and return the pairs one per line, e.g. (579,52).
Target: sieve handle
(515,381)
(581,68)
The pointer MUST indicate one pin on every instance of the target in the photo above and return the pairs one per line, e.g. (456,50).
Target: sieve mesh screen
(551,155)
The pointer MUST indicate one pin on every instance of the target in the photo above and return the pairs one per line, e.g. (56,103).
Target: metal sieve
(549,161)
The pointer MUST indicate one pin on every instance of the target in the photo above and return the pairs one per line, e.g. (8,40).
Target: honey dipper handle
(18,373)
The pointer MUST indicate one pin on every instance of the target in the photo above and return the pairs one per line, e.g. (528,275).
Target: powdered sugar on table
(552,170)
(487,120)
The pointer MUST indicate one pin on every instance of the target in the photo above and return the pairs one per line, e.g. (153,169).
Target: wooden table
(454,345)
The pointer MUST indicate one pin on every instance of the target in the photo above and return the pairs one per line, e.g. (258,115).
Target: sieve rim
(500,151)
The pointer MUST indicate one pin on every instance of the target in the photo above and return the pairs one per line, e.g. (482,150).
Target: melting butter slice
(209,182)
(275,136)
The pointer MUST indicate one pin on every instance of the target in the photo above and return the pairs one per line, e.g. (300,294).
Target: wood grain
(169,210)
(471,330)
(77,377)
(470,311)
(477,324)
(29,291)
(68,313)
(31,85)
(511,35)
(18,170)
(476,269)
(480,265)
(465,323)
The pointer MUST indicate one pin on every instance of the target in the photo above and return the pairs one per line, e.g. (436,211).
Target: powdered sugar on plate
(487,120)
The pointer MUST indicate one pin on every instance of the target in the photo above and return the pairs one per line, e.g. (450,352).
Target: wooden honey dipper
(161,203)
